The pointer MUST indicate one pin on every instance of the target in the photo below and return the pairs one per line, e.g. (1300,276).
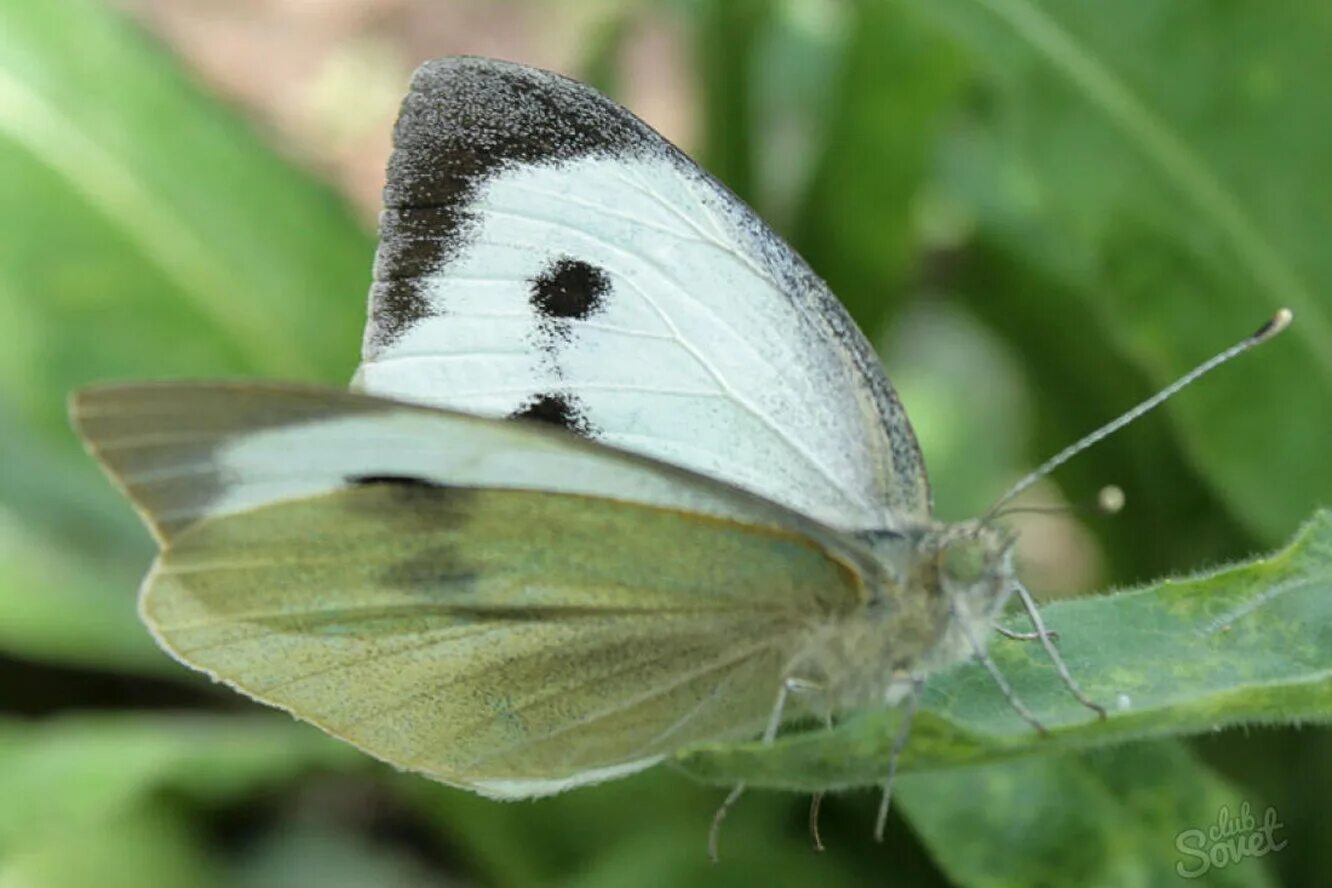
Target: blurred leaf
(157,237)
(142,845)
(652,828)
(960,386)
(76,773)
(899,83)
(59,605)
(1107,818)
(727,33)
(70,600)
(1173,519)
(1166,161)
(1292,768)
(1248,644)
(152,214)
(312,854)
(600,61)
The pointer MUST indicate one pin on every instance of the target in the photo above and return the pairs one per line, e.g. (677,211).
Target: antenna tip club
(1280,321)
(1110,500)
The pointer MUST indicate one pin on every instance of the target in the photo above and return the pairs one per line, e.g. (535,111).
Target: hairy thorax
(933,594)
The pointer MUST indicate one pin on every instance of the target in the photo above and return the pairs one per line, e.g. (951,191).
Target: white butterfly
(716,499)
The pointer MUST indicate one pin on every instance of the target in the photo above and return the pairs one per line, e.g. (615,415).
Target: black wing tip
(507,111)
(446,73)
(432,71)
(466,120)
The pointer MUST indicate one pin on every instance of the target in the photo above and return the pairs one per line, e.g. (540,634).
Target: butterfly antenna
(1109,501)
(1280,321)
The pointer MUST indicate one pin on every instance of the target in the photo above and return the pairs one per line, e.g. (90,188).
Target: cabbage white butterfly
(618,474)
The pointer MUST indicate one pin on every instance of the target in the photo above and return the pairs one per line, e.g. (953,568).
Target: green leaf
(600,59)
(143,845)
(150,234)
(71,557)
(1165,163)
(1107,818)
(1165,490)
(330,856)
(859,219)
(67,606)
(657,823)
(1247,644)
(147,202)
(726,34)
(75,773)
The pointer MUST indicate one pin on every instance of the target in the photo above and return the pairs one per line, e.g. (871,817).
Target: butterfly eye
(964,561)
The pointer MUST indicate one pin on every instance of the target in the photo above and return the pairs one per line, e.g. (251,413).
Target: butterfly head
(945,586)
(973,567)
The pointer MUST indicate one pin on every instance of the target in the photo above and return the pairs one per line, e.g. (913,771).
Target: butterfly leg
(816,800)
(899,743)
(789,686)
(714,833)
(978,650)
(1052,652)
(815,804)
(1023,636)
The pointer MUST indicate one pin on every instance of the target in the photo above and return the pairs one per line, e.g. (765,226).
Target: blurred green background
(1040,210)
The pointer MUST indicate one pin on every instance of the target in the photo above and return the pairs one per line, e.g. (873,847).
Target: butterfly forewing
(184,451)
(545,254)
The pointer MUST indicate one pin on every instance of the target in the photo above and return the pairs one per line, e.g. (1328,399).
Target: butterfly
(617,474)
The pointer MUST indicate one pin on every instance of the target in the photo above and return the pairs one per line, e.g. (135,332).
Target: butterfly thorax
(933,595)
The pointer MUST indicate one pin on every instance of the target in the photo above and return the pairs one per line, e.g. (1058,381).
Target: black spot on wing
(419,506)
(408,503)
(465,120)
(560,409)
(570,289)
(397,480)
(436,571)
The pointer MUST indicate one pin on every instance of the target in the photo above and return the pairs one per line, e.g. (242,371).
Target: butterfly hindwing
(545,254)
(517,642)
(377,569)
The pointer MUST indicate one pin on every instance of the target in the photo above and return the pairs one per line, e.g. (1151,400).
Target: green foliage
(1101,194)
(157,237)
(1161,164)
(1060,806)
(85,795)
(81,772)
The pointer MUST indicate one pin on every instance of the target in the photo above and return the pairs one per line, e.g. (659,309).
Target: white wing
(184,451)
(545,254)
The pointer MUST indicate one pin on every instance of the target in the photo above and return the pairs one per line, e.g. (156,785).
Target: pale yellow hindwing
(516,642)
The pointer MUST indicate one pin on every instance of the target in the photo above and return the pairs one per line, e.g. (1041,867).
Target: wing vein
(740,400)
(620,705)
